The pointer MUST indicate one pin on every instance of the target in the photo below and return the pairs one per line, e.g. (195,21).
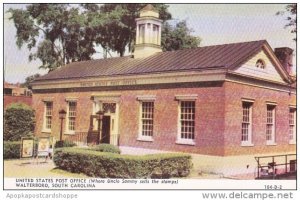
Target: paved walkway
(241,167)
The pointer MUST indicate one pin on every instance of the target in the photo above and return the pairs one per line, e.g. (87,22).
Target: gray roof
(226,56)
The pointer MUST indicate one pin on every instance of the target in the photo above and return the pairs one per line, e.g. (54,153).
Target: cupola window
(142,33)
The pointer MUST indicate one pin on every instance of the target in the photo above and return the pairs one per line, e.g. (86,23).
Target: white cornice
(266,84)
(131,80)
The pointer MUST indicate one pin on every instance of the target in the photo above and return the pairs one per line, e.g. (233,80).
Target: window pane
(187,119)
(72,115)
(48,115)
(246,121)
(147,118)
(270,123)
(292,119)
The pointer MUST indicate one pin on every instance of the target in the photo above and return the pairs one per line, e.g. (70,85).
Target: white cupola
(148,33)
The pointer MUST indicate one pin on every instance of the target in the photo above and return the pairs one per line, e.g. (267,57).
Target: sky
(213,23)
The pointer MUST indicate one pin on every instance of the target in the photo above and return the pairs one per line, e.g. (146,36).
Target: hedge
(64,143)
(19,121)
(111,165)
(106,148)
(12,150)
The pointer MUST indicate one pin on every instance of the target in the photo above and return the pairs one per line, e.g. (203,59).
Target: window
(155,30)
(270,127)
(71,116)
(260,64)
(292,120)
(187,121)
(247,124)
(48,116)
(146,120)
(142,33)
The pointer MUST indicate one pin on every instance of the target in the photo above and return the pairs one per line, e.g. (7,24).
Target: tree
(178,37)
(115,24)
(63,33)
(19,121)
(29,79)
(291,12)
(57,30)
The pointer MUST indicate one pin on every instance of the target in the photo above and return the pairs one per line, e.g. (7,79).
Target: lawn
(28,168)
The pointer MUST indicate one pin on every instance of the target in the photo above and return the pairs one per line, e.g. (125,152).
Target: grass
(16,168)
(67,174)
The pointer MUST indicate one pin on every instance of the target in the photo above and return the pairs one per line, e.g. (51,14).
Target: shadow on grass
(67,174)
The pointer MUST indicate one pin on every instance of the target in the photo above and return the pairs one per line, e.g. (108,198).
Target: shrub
(19,121)
(111,165)
(106,148)
(12,150)
(64,143)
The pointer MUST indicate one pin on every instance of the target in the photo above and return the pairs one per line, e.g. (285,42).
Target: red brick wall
(233,119)
(84,110)
(218,118)
(17,99)
(209,127)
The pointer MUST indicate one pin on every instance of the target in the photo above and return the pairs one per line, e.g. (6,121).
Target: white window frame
(248,142)
(293,125)
(273,134)
(142,99)
(45,129)
(68,131)
(180,99)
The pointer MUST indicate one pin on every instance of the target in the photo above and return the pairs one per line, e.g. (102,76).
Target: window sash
(72,123)
(48,115)
(292,125)
(270,128)
(246,131)
(292,132)
(187,120)
(147,116)
(49,109)
(269,132)
(72,115)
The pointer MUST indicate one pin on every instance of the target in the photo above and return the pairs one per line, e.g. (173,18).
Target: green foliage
(65,143)
(106,148)
(29,79)
(178,37)
(291,13)
(19,121)
(61,30)
(12,150)
(111,165)
(63,33)
(115,24)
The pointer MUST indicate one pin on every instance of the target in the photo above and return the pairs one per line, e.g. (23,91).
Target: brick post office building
(222,100)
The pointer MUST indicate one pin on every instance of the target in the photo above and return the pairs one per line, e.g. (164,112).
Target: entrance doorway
(105,135)
(110,121)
